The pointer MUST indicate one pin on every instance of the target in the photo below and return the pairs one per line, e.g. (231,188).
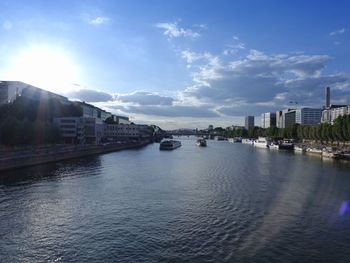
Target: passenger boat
(201,142)
(169,145)
(262,142)
(286,145)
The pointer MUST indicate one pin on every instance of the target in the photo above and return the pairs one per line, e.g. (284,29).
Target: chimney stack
(328,97)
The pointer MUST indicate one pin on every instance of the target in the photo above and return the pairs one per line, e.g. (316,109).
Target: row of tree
(14,132)
(30,122)
(325,132)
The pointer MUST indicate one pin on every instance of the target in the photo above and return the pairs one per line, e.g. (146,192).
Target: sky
(183,63)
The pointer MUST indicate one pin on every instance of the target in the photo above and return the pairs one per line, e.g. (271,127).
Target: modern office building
(249,122)
(308,116)
(280,117)
(289,119)
(304,116)
(268,120)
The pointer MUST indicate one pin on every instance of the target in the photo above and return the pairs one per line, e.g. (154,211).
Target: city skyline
(180,64)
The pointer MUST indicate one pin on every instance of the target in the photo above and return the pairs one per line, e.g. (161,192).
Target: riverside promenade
(34,156)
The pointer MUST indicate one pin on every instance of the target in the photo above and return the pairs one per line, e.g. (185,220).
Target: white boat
(315,151)
(169,145)
(201,142)
(262,142)
(300,149)
(236,139)
(274,146)
(247,141)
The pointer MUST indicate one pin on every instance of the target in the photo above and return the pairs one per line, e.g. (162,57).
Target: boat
(201,142)
(315,151)
(236,139)
(169,145)
(344,155)
(247,141)
(299,149)
(262,142)
(274,146)
(286,145)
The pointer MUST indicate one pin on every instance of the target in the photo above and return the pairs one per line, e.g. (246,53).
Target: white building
(268,119)
(333,112)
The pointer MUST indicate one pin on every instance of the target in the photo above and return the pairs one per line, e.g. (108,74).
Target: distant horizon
(180,64)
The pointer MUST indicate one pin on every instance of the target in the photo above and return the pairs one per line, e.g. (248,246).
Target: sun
(45,67)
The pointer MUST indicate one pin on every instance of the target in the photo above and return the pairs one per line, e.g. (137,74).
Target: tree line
(30,122)
(325,132)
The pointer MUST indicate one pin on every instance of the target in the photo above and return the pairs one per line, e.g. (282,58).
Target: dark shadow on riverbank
(48,171)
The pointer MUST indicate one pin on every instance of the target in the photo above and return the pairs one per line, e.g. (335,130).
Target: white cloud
(89,95)
(99,20)
(172,30)
(234,47)
(169,110)
(338,32)
(260,81)
(145,98)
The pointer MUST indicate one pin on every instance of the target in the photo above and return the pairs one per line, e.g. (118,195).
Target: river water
(223,203)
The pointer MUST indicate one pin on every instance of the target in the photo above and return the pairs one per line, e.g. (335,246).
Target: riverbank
(20,159)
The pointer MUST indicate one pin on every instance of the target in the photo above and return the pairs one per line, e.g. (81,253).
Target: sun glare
(45,67)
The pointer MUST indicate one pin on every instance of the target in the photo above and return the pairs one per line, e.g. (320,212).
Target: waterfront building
(308,116)
(10,90)
(210,127)
(333,112)
(281,117)
(122,120)
(79,130)
(91,111)
(289,118)
(249,122)
(268,119)
(127,132)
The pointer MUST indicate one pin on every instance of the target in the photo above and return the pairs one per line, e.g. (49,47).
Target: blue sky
(180,63)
